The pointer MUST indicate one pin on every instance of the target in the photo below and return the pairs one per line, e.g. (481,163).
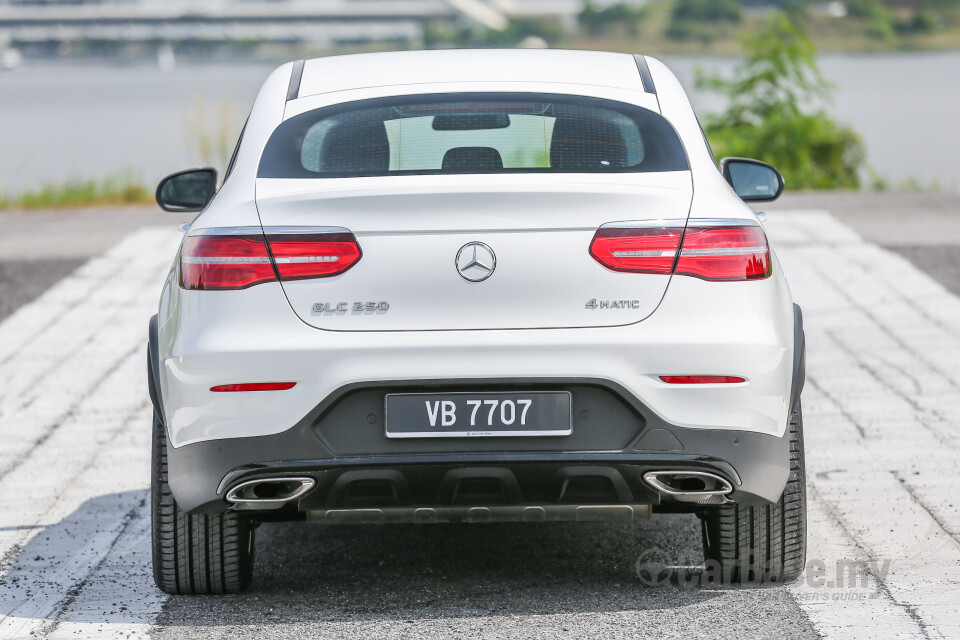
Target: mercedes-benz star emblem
(476,261)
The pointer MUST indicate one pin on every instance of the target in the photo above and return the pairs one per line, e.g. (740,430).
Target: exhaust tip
(701,487)
(269,493)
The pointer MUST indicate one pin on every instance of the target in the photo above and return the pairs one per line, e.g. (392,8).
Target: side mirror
(189,190)
(752,180)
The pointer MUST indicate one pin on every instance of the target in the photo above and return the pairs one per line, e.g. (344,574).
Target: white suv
(474,286)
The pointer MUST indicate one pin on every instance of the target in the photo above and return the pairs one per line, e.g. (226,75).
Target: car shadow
(94,566)
(360,573)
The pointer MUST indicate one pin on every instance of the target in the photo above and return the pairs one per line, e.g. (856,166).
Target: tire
(766,543)
(197,554)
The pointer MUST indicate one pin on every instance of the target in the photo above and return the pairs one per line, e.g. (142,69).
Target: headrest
(584,143)
(356,146)
(472,160)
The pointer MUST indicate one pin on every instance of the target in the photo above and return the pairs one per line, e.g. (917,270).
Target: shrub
(439,35)
(765,117)
(695,18)
(596,21)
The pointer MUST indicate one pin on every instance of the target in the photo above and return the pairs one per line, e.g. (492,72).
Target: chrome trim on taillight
(300,230)
(697,223)
(273,231)
(646,224)
(658,223)
(226,231)
(723,251)
(225,260)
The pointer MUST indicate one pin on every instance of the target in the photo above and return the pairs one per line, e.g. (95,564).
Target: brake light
(724,253)
(708,252)
(643,250)
(702,379)
(313,255)
(254,386)
(213,262)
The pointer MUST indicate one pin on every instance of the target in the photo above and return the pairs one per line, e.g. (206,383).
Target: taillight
(240,260)
(707,252)
(724,253)
(224,262)
(642,250)
(313,255)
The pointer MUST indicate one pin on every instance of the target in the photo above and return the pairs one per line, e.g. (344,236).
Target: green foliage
(80,193)
(766,120)
(622,15)
(520,28)
(866,8)
(812,151)
(923,21)
(444,35)
(696,18)
(707,10)
(880,21)
(211,135)
(786,5)
(877,18)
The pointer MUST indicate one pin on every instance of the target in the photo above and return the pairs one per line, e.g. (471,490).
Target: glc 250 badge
(593,304)
(356,307)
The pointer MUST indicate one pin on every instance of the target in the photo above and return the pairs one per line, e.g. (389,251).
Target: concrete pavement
(882,409)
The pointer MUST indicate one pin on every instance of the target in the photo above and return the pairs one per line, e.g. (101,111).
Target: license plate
(445,415)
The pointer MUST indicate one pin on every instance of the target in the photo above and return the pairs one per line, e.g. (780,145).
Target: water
(904,105)
(67,120)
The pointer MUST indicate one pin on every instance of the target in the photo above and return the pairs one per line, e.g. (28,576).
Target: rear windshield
(472,133)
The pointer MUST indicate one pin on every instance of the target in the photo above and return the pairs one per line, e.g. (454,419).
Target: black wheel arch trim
(153,368)
(799,358)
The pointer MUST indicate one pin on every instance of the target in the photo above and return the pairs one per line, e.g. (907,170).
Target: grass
(211,132)
(108,191)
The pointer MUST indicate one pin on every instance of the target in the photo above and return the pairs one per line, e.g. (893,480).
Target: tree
(697,18)
(598,21)
(766,117)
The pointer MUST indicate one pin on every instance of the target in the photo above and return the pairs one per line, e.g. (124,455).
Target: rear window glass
(472,133)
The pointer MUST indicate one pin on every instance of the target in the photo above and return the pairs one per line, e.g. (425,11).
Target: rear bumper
(429,474)
(213,338)
(736,431)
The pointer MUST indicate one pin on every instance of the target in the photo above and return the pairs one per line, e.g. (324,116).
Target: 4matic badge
(593,304)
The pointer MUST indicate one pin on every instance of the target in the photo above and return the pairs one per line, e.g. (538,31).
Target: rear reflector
(641,250)
(224,262)
(708,252)
(702,379)
(255,386)
(316,255)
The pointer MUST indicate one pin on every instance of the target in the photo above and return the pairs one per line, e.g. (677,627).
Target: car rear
(475,305)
